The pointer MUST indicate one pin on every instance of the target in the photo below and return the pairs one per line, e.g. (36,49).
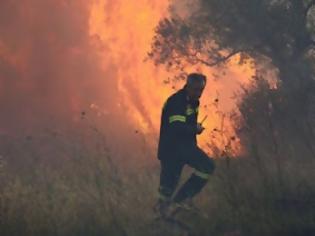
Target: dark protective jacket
(178,124)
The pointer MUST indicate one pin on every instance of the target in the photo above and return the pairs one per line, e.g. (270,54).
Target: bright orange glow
(125,29)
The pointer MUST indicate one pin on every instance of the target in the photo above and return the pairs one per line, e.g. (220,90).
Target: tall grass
(64,185)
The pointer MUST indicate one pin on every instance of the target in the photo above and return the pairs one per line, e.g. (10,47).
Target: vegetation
(270,188)
(70,183)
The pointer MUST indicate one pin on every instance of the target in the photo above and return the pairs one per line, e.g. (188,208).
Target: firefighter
(178,146)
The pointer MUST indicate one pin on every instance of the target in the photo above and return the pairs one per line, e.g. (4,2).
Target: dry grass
(62,186)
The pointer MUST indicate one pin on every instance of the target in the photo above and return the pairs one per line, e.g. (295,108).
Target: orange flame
(124,30)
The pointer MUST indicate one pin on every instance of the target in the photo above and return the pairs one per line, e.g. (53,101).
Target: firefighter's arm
(177,119)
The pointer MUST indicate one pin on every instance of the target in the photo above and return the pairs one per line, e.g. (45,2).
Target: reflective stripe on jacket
(178,123)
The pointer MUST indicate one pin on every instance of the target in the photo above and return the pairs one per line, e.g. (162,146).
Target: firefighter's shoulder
(175,99)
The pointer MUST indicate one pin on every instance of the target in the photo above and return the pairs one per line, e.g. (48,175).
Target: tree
(279,31)
(277,127)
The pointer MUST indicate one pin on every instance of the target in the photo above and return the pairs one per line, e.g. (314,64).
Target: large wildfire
(60,59)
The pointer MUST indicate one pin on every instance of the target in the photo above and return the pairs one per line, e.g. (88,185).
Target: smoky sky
(56,66)
(49,65)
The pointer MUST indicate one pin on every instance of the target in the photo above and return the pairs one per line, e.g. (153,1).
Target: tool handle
(203,120)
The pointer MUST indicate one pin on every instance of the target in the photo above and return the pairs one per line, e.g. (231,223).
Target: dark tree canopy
(280,31)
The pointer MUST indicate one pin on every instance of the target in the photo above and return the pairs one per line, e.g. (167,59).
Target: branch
(220,60)
(308,6)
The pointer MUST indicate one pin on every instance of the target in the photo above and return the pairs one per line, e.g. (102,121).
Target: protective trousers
(171,168)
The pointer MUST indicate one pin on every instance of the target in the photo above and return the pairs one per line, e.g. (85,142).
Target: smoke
(49,66)
(72,67)
(184,8)
(64,59)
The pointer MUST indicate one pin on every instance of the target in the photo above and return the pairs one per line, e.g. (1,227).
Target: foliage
(276,30)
